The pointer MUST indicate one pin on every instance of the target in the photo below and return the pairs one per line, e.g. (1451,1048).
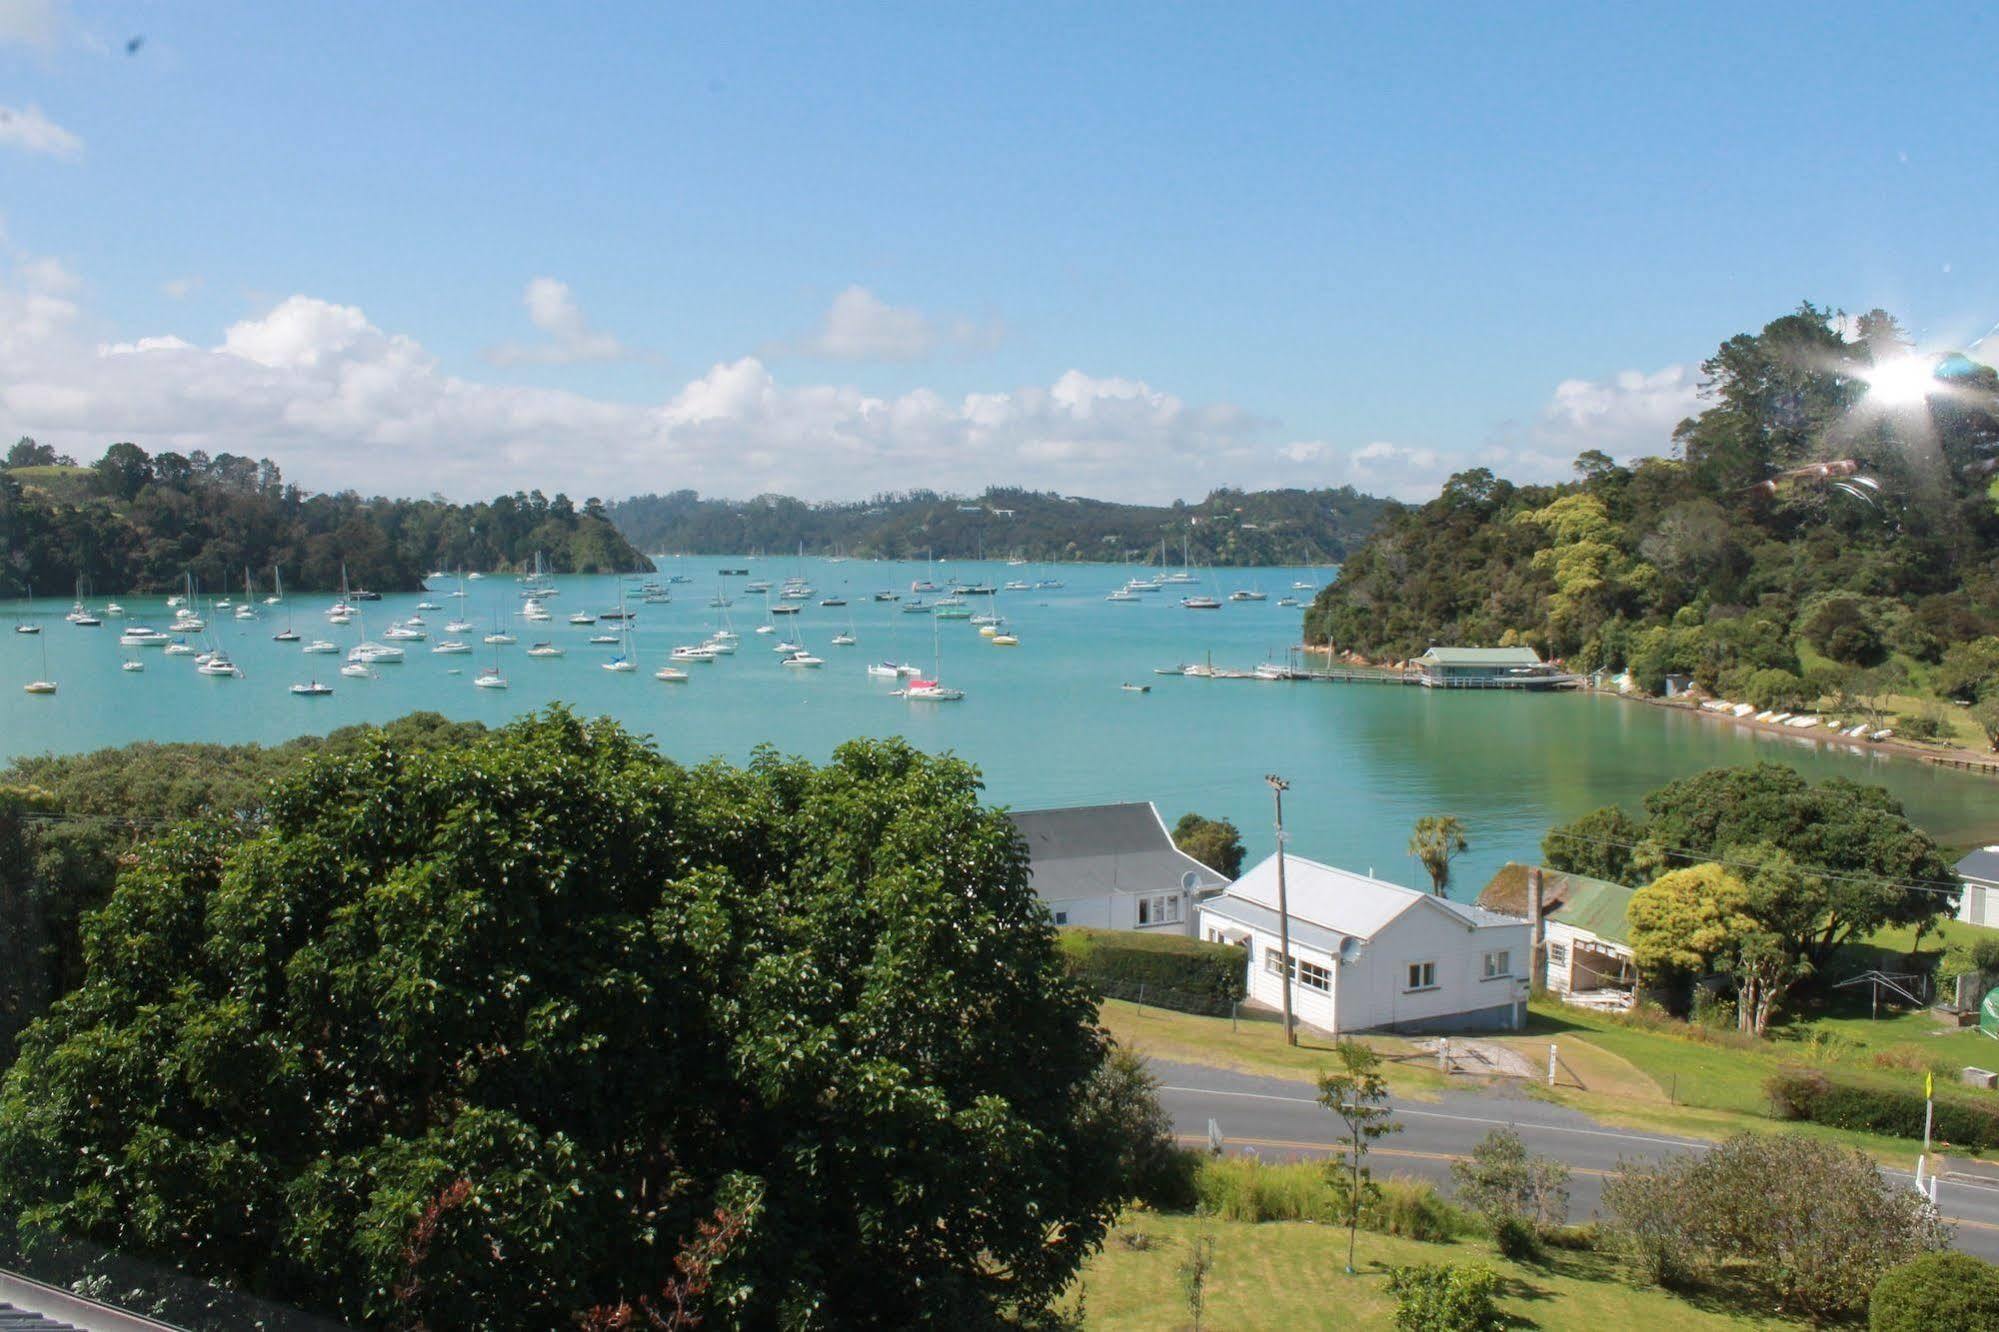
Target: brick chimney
(1537,930)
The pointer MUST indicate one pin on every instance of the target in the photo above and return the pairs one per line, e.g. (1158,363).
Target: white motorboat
(428,605)
(374,654)
(605,638)
(1005,640)
(544,650)
(1200,603)
(803,658)
(312,690)
(113,608)
(180,647)
(786,648)
(39,687)
(320,646)
(1123,594)
(843,640)
(532,610)
(583,617)
(1248,594)
(498,638)
(884,670)
(723,647)
(670,674)
(460,626)
(402,633)
(450,647)
(354,670)
(140,636)
(220,666)
(133,665)
(692,654)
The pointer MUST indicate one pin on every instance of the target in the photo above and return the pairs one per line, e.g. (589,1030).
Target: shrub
(1412,1209)
(1439,1297)
(1919,726)
(1515,1239)
(1938,1290)
(1502,1181)
(1814,1223)
(1165,970)
(1806,1094)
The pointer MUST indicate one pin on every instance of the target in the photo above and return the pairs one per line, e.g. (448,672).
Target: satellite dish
(1190,881)
(1349,950)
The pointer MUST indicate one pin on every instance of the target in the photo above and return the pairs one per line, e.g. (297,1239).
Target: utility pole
(1278,786)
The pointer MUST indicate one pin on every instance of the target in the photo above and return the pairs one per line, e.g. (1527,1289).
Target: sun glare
(1901,382)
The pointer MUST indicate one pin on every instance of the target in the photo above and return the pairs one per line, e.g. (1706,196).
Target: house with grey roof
(1113,867)
(1979,903)
(1370,955)
(1487,668)
(1586,931)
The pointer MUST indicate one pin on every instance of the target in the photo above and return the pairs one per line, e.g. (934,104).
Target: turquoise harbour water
(1046,721)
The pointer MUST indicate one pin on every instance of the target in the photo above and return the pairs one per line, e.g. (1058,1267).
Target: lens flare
(1903,381)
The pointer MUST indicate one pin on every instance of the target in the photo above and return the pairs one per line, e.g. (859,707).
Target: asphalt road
(1280,1119)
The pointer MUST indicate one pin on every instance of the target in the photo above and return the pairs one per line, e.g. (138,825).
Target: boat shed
(1486,668)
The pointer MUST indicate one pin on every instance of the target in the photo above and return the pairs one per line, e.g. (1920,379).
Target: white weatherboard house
(1113,867)
(1980,871)
(1414,961)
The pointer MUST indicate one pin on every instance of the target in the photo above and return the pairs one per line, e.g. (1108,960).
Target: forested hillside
(133,522)
(1830,512)
(1229,527)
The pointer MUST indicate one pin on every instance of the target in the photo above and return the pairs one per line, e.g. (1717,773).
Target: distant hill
(1229,527)
(134,522)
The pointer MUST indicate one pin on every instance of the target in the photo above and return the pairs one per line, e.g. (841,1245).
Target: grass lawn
(1290,1274)
(1253,1045)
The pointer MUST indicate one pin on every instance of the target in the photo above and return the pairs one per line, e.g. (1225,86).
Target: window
(1061,918)
(1162,910)
(1558,955)
(1499,965)
(1422,976)
(1309,974)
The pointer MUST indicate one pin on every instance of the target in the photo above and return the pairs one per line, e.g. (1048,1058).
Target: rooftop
(1982,864)
(1476,656)
(1595,905)
(1344,902)
(1095,850)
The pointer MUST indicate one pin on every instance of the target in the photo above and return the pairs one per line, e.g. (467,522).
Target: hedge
(1165,970)
(1807,1094)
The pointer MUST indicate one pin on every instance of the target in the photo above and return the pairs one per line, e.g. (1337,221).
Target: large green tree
(1216,843)
(489,1036)
(1857,862)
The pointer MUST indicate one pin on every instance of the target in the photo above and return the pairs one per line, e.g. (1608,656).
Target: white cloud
(29,22)
(29,130)
(1630,414)
(180,288)
(860,326)
(552,308)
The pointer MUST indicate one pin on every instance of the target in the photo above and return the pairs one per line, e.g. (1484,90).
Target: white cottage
(1372,955)
(1586,929)
(1979,903)
(1113,867)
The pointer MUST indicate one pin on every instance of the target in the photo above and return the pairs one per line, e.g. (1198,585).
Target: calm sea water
(1046,721)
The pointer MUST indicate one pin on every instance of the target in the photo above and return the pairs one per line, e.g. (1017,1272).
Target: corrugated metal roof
(25,1320)
(1499,656)
(1982,864)
(1344,902)
(1596,905)
(1095,850)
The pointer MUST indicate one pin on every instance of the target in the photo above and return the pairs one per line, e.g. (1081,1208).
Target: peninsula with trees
(138,522)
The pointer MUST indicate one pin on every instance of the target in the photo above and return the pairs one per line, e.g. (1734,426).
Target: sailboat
(920,690)
(278,581)
(490,678)
(287,634)
(43,685)
(623,661)
(22,625)
(846,638)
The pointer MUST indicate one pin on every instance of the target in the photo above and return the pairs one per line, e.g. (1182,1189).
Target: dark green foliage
(68,822)
(1516,1240)
(1216,843)
(1165,970)
(1229,527)
(1689,562)
(1598,845)
(1505,1183)
(1817,1225)
(1446,1297)
(488,1036)
(1863,864)
(1821,1098)
(1936,1291)
(1123,1100)
(135,523)
(1969,670)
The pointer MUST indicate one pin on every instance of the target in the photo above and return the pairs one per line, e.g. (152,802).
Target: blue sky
(1133,251)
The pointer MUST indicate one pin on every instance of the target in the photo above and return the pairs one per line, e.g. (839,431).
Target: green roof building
(1487,668)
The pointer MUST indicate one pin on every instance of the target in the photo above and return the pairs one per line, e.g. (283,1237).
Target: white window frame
(1159,909)
(1427,970)
(1504,970)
